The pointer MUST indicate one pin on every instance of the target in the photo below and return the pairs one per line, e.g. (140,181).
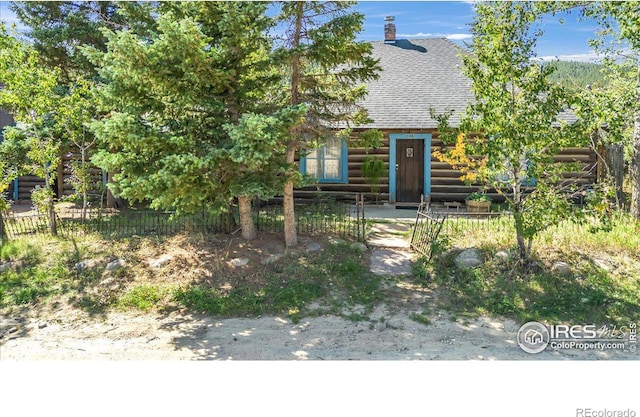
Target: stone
(271,259)
(502,256)
(239,261)
(359,246)
(469,258)
(7,266)
(86,264)
(107,282)
(314,247)
(561,268)
(602,264)
(115,265)
(157,263)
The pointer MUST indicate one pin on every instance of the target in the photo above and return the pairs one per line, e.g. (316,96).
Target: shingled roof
(417,75)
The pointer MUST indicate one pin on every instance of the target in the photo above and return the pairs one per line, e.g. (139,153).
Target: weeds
(287,286)
(591,293)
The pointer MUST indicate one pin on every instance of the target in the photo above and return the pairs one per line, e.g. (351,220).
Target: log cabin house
(417,75)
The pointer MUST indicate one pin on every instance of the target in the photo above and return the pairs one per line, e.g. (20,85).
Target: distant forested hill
(576,74)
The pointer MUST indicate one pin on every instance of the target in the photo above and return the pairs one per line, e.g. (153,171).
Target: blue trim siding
(344,166)
(393,138)
(15,190)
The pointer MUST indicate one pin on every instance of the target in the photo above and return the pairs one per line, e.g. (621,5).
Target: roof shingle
(417,75)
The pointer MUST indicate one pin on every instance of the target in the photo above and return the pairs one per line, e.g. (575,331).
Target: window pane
(324,163)
(313,168)
(333,148)
(332,168)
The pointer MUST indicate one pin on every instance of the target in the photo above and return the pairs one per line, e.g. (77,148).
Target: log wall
(445,181)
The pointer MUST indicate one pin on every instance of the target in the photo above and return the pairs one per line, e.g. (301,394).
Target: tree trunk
(246,218)
(517,214)
(3,233)
(614,161)
(111,200)
(59,181)
(290,232)
(51,213)
(522,246)
(85,185)
(634,169)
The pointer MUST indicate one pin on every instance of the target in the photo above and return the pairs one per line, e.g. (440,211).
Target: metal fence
(457,223)
(426,230)
(433,224)
(312,218)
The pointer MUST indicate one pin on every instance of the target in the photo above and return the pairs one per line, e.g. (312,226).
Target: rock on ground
(359,246)
(86,264)
(7,266)
(502,256)
(239,261)
(115,265)
(158,262)
(469,258)
(314,247)
(561,268)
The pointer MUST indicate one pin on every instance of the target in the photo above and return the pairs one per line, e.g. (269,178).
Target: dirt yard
(60,331)
(74,335)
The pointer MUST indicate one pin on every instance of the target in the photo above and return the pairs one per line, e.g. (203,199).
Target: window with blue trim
(328,163)
(505,175)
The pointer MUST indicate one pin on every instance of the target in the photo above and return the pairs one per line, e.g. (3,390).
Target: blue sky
(422,19)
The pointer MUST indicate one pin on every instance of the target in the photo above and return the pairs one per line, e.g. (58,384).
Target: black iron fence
(432,225)
(426,230)
(457,223)
(312,218)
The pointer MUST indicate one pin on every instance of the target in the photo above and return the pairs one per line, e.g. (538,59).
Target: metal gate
(426,230)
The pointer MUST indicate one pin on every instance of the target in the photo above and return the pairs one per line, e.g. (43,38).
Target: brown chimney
(389,30)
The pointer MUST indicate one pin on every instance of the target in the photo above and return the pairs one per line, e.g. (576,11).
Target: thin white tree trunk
(634,168)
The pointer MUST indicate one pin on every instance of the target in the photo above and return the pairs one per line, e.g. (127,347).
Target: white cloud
(459,36)
(586,57)
(452,36)
(414,35)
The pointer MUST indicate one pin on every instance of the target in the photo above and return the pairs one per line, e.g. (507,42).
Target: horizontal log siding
(445,181)
(27,183)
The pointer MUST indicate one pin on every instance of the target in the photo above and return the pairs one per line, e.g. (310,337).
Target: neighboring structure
(417,75)
(21,188)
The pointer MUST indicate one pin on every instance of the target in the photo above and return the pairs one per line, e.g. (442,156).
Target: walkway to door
(389,237)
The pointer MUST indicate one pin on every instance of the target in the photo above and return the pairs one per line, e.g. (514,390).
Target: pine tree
(326,69)
(178,99)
